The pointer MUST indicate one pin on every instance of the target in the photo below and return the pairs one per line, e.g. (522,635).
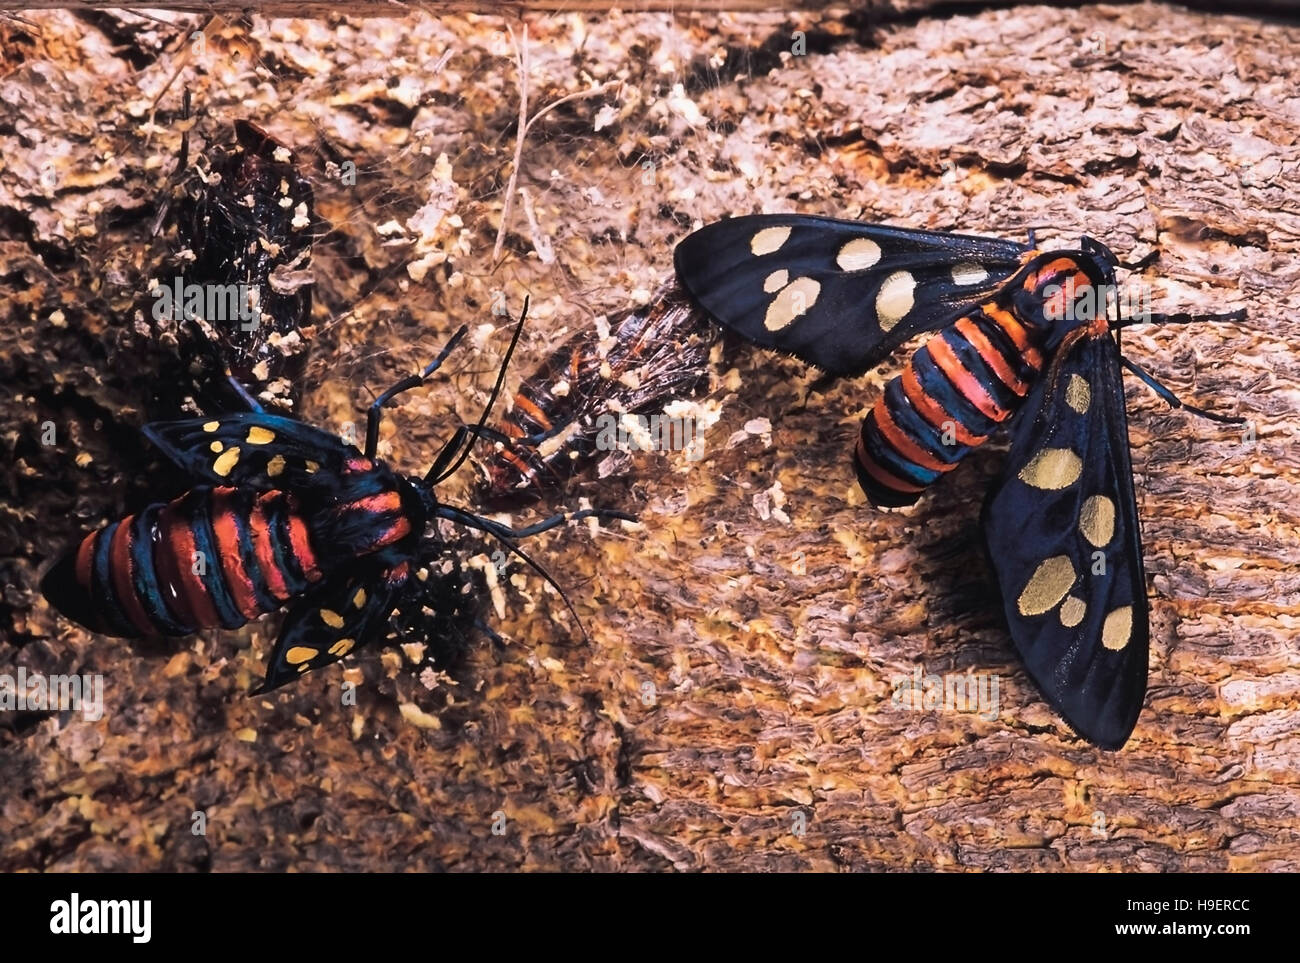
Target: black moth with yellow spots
(1021,336)
(283,513)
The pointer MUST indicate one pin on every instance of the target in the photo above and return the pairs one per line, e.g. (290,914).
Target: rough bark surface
(743,643)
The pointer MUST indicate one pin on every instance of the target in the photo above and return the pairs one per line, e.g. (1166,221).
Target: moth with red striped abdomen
(1021,337)
(282,513)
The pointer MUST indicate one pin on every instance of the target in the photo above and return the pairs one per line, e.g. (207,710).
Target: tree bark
(731,706)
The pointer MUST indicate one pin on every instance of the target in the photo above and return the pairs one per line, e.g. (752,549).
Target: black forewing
(864,288)
(347,611)
(269,451)
(1087,650)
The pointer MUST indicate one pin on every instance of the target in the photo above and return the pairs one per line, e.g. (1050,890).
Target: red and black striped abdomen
(213,557)
(956,389)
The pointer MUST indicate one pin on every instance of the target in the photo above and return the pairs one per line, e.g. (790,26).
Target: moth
(283,513)
(558,425)
(1019,337)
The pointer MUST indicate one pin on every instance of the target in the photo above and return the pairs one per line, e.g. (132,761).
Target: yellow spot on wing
(1077,394)
(1118,628)
(275,465)
(1047,586)
(312,467)
(776,281)
(342,647)
(968,273)
(1052,469)
(794,300)
(211,426)
(895,298)
(858,255)
(360,598)
(225,461)
(216,447)
(1072,611)
(331,618)
(1097,520)
(257,435)
(299,654)
(769,240)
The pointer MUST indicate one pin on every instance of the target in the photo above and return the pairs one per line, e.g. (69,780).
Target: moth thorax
(1061,295)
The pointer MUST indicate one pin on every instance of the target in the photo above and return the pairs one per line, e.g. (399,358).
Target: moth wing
(252,449)
(1062,530)
(841,295)
(349,610)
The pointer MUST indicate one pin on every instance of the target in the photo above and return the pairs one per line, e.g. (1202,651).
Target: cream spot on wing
(342,647)
(312,467)
(1097,520)
(331,618)
(299,654)
(225,461)
(258,435)
(211,426)
(859,254)
(275,465)
(1052,469)
(1047,586)
(895,299)
(1118,628)
(968,273)
(216,447)
(769,240)
(1072,612)
(795,299)
(776,281)
(1077,394)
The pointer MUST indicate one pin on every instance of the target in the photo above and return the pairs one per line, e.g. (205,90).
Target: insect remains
(244,222)
(653,354)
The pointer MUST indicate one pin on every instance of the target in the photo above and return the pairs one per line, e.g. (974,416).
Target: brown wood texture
(744,641)
(883,9)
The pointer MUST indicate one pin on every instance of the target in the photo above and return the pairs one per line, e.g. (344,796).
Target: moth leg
(243,394)
(545,525)
(406,384)
(494,636)
(457,442)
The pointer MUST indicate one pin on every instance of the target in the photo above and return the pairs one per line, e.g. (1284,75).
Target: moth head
(423,503)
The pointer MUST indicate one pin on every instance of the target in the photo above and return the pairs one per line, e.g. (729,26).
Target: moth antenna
(492,399)
(1173,400)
